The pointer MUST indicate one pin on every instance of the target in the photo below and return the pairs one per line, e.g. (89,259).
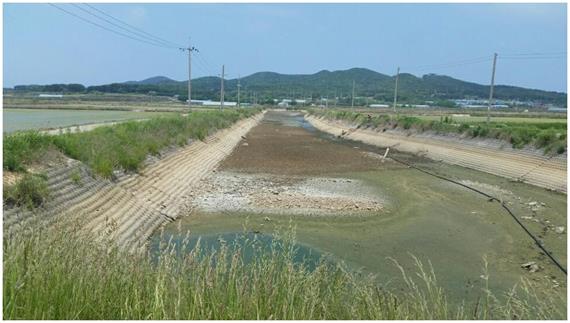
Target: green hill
(369,84)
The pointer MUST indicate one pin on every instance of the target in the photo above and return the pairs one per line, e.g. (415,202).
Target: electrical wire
(103,27)
(469,61)
(133,27)
(142,36)
(491,198)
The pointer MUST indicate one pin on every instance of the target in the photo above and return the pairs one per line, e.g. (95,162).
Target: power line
(142,36)
(469,61)
(133,27)
(533,54)
(103,27)
(532,57)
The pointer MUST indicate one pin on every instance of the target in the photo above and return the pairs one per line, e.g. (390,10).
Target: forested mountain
(375,86)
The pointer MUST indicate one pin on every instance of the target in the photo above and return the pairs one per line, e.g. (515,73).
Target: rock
(528,264)
(267,219)
(245,144)
(559,229)
(532,203)
(531,266)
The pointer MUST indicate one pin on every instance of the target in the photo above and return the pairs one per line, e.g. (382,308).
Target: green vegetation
(549,136)
(23,149)
(30,191)
(368,84)
(119,147)
(76,177)
(55,274)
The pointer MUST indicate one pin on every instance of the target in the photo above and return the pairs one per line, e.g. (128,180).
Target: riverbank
(487,156)
(130,206)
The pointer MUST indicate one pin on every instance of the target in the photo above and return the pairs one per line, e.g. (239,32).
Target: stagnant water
(436,221)
(28,119)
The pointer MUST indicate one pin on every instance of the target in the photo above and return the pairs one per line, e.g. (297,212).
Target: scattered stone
(531,266)
(559,229)
(267,219)
(245,144)
(532,203)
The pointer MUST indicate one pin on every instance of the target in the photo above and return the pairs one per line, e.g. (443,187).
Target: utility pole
(222,90)
(491,90)
(190,49)
(335,98)
(239,85)
(396,89)
(352,103)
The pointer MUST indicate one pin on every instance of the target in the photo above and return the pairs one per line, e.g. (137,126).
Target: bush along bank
(551,137)
(57,274)
(123,146)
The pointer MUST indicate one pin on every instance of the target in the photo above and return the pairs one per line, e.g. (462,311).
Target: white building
(51,95)
(210,103)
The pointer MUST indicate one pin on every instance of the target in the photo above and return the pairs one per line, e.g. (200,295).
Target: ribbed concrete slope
(535,169)
(130,209)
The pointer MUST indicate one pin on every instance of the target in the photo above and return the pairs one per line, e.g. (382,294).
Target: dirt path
(534,169)
(129,209)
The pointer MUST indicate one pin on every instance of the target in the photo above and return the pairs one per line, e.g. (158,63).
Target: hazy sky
(45,45)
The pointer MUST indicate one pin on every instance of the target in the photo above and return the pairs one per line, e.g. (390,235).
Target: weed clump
(23,148)
(30,191)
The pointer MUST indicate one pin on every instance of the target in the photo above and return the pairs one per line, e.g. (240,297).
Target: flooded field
(26,119)
(366,212)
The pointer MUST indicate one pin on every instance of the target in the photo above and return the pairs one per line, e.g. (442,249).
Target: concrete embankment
(129,208)
(525,166)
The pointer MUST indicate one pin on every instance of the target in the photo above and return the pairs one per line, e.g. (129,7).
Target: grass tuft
(30,191)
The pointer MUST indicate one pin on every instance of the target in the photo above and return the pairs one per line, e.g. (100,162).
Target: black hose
(491,198)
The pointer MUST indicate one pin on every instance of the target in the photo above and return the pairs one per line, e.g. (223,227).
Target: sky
(44,45)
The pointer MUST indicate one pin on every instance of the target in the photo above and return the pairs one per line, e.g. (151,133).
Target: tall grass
(56,274)
(549,136)
(119,147)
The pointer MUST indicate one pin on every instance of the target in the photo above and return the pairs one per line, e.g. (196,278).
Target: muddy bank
(542,171)
(128,209)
